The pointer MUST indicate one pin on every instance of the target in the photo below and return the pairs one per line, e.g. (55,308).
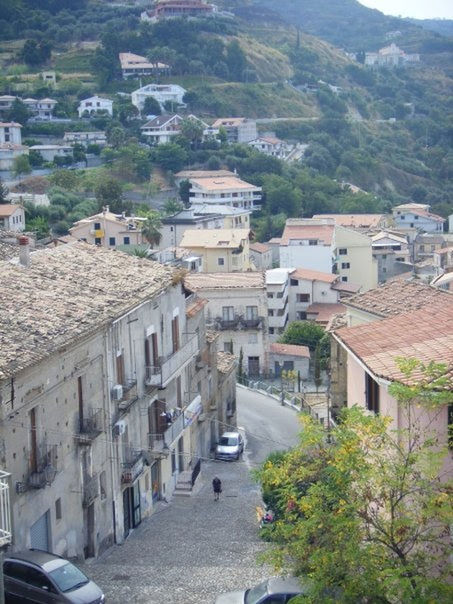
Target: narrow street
(193,548)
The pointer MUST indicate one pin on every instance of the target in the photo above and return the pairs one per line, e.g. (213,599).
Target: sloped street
(193,548)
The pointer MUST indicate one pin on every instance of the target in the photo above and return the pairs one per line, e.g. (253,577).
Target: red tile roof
(425,334)
(8,209)
(290,350)
(322,232)
(259,247)
(305,273)
(324,312)
(397,296)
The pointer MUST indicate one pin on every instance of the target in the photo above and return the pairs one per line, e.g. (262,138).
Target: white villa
(163,93)
(95,104)
(225,190)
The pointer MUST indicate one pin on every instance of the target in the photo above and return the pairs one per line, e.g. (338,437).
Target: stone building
(98,414)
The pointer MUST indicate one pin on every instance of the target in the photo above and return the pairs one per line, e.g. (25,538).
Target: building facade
(12,217)
(163,93)
(109,230)
(94,105)
(221,250)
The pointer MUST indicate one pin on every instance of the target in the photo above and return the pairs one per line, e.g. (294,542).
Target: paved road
(194,548)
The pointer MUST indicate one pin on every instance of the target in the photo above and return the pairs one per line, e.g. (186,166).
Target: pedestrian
(217,488)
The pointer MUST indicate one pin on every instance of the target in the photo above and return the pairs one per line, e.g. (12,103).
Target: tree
(35,53)
(21,165)
(364,513)
(303,333)
(38,225)
(35,158)
(170,156)
(151,106)
(151,228)
(18,112)
(109,192)
(236,61)
(192,130)
(4,192)
(172,206)
(184,190)
(66,179)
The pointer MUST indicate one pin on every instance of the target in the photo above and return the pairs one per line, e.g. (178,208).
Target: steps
(183,485)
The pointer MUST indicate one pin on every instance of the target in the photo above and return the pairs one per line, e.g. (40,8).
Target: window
(270,312)
(344,278)
(280,295)
(312,242)
(270,295)
(271,331)
(294,282)
(221,261)
(343,251)
(384,256)
(345,265)
(303,297)
(103,484)
(301,316)
(422,248)
(37,579)
(97,241)
(228,347)
(228,313)
(58,514)
(173,461)
(97,226)
(416,217)
(126,240)
(175,333)
(112,241)
(251,313)
(371,394)
(411,225)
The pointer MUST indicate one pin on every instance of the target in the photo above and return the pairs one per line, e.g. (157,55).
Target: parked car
(44,578)
(272,591)
(230,446)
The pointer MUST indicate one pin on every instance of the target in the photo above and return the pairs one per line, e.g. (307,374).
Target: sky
(419,9)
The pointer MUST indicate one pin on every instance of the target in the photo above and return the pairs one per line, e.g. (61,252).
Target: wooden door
(155,350)
(80,398)
(120,369)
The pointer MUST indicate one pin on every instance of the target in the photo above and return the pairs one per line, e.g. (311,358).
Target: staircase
(183,485)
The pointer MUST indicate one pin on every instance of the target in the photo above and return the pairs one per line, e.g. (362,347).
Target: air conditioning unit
(119,428)
(117,392)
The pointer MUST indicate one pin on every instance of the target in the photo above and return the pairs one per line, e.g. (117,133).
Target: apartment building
(308,288)
(415,217)
(392,254)
(95,105)
(277,288)
(98,406)
(237,310)
(221,250)
(41,108)
(226,190)
(307,243)
(163,93)
(135,66)
(354,260)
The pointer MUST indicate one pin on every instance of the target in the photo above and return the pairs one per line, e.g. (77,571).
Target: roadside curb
(276,398)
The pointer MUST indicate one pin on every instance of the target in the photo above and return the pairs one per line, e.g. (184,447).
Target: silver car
(272,591)
(230,446)
(38,576)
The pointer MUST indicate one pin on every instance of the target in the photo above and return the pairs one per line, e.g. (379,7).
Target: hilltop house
(162,128)
(221,250)
(390,56)
(10,144)
(172,9)
(109,230)
(10,132)
(135,66)
(270,145)
(238,129)
(12,217)
(94,105)
(86,138)
(163,93)
(225,190)
(41,108)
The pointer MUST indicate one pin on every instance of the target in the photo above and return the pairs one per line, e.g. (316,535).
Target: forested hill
(350,25)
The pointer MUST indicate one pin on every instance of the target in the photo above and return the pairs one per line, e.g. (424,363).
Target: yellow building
(354,258)
(221,250)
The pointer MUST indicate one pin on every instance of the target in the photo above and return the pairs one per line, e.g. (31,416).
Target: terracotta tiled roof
(8,250)
(425,334)
(276,240)
(10,125)
(228,121)
(200,281)
(195,307)
(304,273)
(290,350)
(259,247)
(322,232)
(397,296)
(337,321)
(324,312)
(354,220)
(66,293)
(8,209)
(347,288)
(213,238)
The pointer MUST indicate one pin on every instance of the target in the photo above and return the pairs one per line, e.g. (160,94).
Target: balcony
(90,427)
(160,443)
(90,489)
(169,365)
(132,466)
(237,322)
(45,469)
(5,516)
(129,394)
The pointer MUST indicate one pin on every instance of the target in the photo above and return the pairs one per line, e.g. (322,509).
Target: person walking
(217,488)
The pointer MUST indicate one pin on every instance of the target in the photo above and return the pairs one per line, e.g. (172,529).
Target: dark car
(44,578)
(272,591)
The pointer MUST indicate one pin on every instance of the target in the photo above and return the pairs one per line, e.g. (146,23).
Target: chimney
(24,251)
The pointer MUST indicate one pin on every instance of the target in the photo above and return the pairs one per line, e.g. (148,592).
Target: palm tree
(151,228)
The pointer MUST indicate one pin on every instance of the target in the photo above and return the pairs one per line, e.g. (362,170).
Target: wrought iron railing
(91,489)
(132,466)
(44,470)
(90,427)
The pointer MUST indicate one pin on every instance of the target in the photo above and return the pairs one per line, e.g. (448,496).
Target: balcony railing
(160,375)
(159,442)
(90,427)
(90,489)
(5,515)
(45,469)
(132,466)
(130,395)
(237,322)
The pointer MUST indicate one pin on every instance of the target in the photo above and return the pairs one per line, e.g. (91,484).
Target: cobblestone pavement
(191,549)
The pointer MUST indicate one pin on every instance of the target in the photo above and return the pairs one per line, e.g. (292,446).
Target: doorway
(40,533)
(89,549)
(253,366)
(132,513)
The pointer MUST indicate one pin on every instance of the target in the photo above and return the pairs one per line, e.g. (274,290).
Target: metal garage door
(39,533)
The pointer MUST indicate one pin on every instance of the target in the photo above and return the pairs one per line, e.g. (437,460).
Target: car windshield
(254,595)
(228,441)
(68,577)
